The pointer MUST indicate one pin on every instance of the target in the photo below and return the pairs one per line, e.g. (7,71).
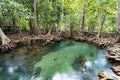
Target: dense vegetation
(38,16)
(33,21)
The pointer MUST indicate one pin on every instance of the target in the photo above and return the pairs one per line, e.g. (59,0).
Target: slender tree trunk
(80,22)
(49,32)
(31,27)
(37,30)
(103,21)
(5,39)
(118,17)
(14,24)
(93,28)
(71,29)
(83,20)
(101,26)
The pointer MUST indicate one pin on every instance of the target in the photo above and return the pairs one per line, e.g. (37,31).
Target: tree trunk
(37,30)
(101,26)
(49,32)
(118,17)
(83,20)
(31,27)
(5,39)
(93,28)
(71,29)
(14,25)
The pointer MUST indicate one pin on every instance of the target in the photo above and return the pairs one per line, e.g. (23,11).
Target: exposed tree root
(5,39)
(107,76)
(116,69)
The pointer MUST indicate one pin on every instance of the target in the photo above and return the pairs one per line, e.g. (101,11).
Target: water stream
(66,60)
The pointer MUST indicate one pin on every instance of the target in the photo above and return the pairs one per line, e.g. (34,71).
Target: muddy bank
(110,42)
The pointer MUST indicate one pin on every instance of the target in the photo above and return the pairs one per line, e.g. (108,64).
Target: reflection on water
(67,60)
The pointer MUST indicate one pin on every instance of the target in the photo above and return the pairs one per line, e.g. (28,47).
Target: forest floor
(108,41)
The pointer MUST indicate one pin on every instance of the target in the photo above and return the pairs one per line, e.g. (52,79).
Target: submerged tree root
(109,42)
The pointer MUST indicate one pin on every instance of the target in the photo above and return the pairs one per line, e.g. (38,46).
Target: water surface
(67,60)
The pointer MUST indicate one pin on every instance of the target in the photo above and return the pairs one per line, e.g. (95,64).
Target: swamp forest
(60,40)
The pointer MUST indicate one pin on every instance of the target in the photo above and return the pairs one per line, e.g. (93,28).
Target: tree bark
(37,30)
(83,19)
(118,17)
(5,39)
(71,29)
(14,25)
(31,27)
(101,26)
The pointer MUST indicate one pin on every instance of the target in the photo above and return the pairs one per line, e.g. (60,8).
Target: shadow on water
(67,60)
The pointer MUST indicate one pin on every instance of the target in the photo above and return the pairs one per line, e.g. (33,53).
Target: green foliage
(24,25)
(60,14)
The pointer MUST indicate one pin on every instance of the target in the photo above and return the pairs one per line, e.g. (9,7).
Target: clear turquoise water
(67,60)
